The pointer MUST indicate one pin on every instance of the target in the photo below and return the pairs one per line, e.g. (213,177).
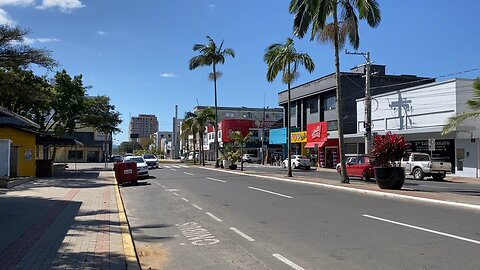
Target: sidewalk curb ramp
(357,190)
(127,239)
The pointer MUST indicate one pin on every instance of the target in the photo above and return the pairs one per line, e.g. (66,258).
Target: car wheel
(365,176)
(418,174)
(307,168)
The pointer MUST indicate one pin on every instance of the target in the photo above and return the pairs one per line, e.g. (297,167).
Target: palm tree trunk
(288,127)
(344,176)
(194,152)
(216,115)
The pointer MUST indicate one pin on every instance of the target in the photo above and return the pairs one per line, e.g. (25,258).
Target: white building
(420,113)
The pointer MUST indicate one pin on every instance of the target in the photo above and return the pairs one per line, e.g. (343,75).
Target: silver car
(298,161)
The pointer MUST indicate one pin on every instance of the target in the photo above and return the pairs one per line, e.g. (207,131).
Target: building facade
(313,105)
(419,114)
(142,126)
(93,147)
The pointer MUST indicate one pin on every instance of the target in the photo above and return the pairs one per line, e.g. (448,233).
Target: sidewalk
(70,222)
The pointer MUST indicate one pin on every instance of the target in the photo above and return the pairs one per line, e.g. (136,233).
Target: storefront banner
(317,132)
(299,137)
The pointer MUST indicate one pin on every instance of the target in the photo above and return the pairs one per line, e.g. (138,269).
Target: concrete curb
(12,183)
(357,190)
(127,239)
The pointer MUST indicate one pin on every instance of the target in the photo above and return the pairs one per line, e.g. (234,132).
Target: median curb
(131,257)
(358,190)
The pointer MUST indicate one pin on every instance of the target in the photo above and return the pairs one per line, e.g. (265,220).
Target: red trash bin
(125,172)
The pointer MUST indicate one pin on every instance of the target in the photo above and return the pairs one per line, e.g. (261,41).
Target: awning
(312,144)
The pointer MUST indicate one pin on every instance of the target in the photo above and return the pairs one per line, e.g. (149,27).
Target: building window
(230,115)
(332,125)
(330,103)
(75,155)
(313,105)
(293,110)
(254,133)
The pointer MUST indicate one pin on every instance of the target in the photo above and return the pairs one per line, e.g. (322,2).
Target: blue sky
(137,52)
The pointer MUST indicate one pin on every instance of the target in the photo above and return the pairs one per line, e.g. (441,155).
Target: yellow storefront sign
(299,137)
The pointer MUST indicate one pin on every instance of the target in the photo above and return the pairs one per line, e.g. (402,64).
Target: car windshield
(136,159)
(148,156)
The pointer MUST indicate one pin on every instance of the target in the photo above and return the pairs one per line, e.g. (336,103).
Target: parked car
(420,165)
(361,166)
(298,161)
(142,167)
(250,158)
(116,158)
(151,160)
(128,155)
(347,160)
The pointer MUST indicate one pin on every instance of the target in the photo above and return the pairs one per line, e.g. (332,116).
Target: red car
(360,167)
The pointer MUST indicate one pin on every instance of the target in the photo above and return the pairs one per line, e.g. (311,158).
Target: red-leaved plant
(388,148)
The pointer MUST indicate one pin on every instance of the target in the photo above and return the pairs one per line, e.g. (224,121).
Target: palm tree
(473,103)
(203,118)
(211,55)
(285,58)
(240,140)
(189,127)
(315,13)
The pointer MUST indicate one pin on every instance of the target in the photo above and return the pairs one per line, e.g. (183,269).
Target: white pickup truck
(250,158)
(419,165)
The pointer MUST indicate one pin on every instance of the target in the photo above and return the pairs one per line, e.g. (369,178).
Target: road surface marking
(433,186)
(176,194)
(213,179)
(184,199)
(168,167)
(196,206)
(188,173)
(173,170)
(213,216)
(172,189)
(175,166)
(271,192)
(287,261)
(184,166)
(424,229)
(196,234)
(242,234)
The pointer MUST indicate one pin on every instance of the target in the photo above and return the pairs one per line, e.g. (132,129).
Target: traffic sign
(431,144)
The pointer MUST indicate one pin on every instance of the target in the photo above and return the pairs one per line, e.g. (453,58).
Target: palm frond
(230,52)
(198,61)
(369,10)
(456,120)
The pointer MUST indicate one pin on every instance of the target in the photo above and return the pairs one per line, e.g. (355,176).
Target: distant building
(142,126)
(163,142)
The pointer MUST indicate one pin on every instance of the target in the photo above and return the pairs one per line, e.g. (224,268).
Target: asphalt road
(192,218)
(421,185)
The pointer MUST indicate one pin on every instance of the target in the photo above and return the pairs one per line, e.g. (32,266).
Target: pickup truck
(250,159)
(419,165)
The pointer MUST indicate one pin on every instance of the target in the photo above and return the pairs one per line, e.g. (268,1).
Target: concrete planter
(226,163)
(390,178)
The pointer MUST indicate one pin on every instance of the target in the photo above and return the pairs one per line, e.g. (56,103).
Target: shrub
(388,148)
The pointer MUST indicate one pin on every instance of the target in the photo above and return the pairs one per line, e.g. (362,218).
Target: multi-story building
(313,109)
(163,142)
(419,114)
(142,126)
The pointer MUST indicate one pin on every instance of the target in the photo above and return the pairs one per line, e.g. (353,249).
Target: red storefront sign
(317,133)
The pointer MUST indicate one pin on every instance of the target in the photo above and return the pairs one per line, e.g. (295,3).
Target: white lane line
(184,166)
(424,229)
(287,261)
(168,167)
(184,199)
(196,206)
(242,234)
(213,216)
(188,173)
(218,180)
(176,194)
(173,170)
(271,192)
(175,166)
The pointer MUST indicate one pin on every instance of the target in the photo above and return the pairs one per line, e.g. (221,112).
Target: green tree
(100,115)
(211,55)
(240,141)
(189,126)
(128,147)
(473,104)
(340,29)
(285,58)
(14,54)
(203,118)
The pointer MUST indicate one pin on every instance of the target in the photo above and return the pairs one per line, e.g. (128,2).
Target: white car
(298,161)
(250,158)
(151,160)
(142,167)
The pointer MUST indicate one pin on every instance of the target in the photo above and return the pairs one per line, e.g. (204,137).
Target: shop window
(313,105)
(330,103)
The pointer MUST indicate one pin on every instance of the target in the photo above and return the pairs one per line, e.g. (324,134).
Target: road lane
(325,228)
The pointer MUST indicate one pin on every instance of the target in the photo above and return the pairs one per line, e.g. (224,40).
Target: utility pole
(368,101)
(263,137)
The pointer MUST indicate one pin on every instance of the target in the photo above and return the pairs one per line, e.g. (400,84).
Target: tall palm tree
(285,58)
(203,118)
(473,103)
(315,13)
(190,127)
(211,55)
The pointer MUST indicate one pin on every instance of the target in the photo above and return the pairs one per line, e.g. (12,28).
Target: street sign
(431,144)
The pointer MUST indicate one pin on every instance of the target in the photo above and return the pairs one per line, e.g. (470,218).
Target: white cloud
(101,33)
(210,5)
(4,18)
(168,75)
(63,5)
(31,41)
(16,2)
